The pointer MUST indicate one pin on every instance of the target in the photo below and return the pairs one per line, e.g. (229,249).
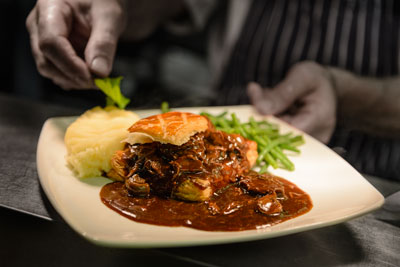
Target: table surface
(32,233)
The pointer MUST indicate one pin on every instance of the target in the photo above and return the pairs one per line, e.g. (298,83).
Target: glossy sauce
(205,183)
(232,208)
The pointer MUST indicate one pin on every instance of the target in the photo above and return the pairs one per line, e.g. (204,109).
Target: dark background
(27,240)
(142,64)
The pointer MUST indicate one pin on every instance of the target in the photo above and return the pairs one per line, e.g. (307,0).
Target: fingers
(271,101)
(279,99)
(107,25)
(305,99)
(255,93)
(44,66)
(317,116)
(54,25)
(309,121)
(49,25)
(264,102)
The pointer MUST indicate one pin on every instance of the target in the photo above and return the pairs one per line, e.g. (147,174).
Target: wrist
(356,95)
(338,78)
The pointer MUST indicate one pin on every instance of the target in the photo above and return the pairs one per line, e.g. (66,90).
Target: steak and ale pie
(176,169)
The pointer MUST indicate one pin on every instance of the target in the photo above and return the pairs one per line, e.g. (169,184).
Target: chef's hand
(73,39)
(306,99)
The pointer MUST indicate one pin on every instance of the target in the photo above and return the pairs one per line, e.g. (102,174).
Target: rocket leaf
(111,88)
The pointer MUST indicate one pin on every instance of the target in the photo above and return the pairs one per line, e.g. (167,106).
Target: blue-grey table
(33,234)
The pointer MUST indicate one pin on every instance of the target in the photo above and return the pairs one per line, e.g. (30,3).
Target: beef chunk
(261,183)
(269,205)
(137,186)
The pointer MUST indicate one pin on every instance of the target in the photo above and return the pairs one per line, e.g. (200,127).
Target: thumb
(278,99)
(256,96)
(100,49)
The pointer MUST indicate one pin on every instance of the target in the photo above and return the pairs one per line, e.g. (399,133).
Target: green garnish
(271,144)
(111,88)
(165,107)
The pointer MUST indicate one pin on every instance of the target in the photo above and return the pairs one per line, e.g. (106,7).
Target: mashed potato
(94,137)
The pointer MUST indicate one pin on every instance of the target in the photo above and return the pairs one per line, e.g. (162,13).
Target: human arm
(314,98)
(368,104)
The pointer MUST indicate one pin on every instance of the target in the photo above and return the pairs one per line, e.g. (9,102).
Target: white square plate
(338,192)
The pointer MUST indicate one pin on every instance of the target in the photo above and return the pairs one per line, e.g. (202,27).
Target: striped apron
(361,36)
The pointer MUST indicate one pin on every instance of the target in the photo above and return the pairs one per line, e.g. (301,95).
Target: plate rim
(253,236)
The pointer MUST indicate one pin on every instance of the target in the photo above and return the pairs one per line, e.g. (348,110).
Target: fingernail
(254,84)
(100,66)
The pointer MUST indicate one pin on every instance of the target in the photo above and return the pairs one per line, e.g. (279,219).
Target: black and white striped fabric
(358,35)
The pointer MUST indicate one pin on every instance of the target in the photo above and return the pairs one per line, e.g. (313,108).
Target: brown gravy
(231,208)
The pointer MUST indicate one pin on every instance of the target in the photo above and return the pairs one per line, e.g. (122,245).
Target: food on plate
(94,137)
(272,145)
(176,169)
(180,155)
